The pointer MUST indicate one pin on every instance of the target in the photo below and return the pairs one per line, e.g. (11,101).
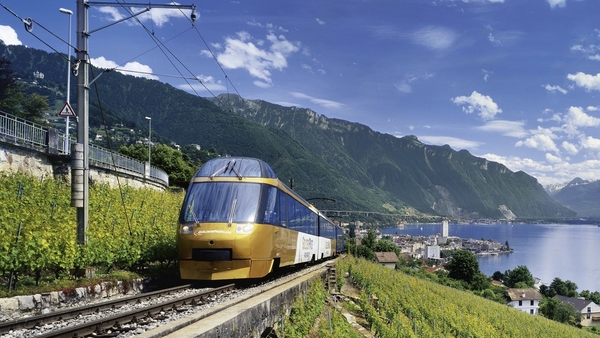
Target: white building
(526,300)
(432,251)
(590,311)
(444,228)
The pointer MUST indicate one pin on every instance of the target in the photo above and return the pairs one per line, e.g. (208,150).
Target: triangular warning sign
(66,111)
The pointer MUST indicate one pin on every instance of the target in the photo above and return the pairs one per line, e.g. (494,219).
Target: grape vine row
(398,305)
(38,226)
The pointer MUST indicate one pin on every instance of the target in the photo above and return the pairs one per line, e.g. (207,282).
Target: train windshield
(221,202)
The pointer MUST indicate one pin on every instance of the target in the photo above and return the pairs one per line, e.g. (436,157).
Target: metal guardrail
(35,136)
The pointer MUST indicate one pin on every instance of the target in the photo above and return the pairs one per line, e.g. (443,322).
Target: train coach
(238,220)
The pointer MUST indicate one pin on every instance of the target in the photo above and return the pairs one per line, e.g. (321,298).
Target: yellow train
(239,221)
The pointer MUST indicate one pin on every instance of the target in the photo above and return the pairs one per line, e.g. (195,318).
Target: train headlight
(244,228)
(187,229)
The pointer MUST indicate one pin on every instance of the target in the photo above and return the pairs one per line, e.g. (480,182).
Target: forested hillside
(360,168)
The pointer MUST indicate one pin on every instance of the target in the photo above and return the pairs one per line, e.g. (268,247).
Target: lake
(569,252)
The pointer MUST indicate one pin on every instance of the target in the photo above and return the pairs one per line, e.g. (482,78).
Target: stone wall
(15,159)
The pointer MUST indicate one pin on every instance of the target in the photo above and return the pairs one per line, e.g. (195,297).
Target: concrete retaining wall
(14,159)
(250,315)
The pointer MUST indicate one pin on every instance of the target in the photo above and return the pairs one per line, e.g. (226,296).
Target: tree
(12,99)
(559,287)
(463,266)
(370,240)
(593,296)
(554,309)
(384,245)
(164,157)
(34,107)
(499,276)
(520,275)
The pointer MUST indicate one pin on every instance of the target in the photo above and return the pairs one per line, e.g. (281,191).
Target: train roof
(236,167)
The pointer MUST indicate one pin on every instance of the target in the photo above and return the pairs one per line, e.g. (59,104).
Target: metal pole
(83,116)
(149,139)
(70,13)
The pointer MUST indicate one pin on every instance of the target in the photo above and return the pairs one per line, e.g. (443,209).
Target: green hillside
(432,179)
(407,306)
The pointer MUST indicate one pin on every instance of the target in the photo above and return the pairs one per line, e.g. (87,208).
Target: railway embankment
(250,315)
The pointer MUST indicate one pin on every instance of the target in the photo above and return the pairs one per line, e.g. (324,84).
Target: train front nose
(215,251)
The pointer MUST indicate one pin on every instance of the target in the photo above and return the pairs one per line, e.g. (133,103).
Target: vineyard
(127,227)
(398,305)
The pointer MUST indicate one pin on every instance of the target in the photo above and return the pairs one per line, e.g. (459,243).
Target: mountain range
(329,159)
(581,196)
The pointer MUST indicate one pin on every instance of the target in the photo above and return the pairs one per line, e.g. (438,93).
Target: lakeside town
(430,247)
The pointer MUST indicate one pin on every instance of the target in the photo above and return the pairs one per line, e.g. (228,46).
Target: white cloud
(554,89)
(320,22)
(553,159)
(158,16)
(484,104)
(541,140)
(136,69)
(262,84)
(242,52)
(591,51)
(321,102)
(204,83)
(557,3)
(591,143)
(506,128)
(9,36)
(589,82)
(549,173)
(454,142)
(569,147)
(434,37)
(576,118)
(404,87)
(113,12)
(486,74)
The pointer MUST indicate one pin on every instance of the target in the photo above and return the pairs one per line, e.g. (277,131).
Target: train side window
(271,209)
(282,205)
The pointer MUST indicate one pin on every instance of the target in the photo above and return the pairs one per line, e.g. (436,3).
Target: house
(387,259)
(590,311)
(526,300)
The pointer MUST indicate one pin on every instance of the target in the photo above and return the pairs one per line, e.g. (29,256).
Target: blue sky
(514,81)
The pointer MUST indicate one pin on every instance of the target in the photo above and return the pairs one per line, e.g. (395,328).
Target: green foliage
(38,227)
(559,287)
(370,240)
(171,160)
(593,296)
(12,98)
(463,266)
(554,309)
(519,277)
(498,276)
(305,309)
(412,307)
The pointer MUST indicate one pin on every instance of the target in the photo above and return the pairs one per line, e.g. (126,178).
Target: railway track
(109,325)
(155,314)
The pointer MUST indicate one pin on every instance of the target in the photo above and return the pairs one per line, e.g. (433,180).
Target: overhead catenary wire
(163,47)
(30,31)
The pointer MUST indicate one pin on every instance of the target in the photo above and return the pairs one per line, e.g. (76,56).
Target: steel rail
(31,322)
(100,327)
